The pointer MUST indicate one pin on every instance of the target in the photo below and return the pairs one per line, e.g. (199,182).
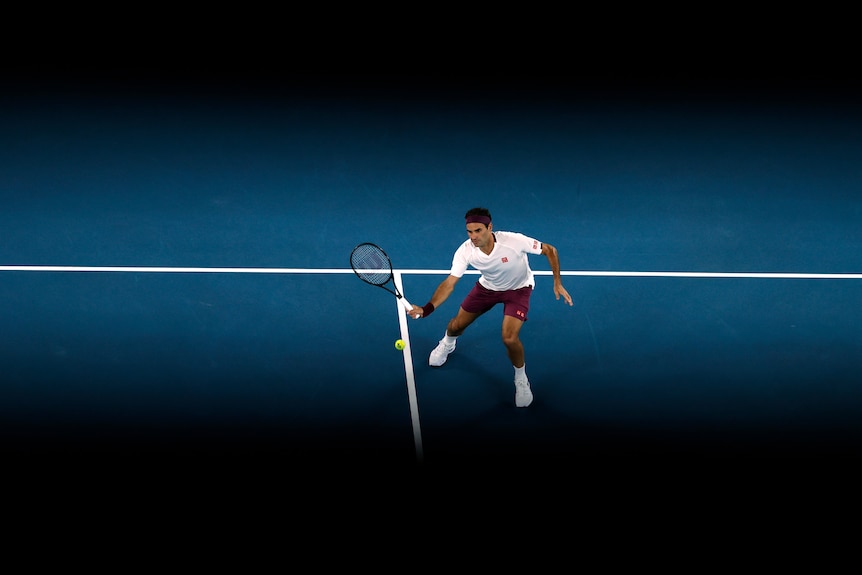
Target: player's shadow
(484,425)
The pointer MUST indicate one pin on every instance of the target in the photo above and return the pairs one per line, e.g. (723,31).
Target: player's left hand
(559,290)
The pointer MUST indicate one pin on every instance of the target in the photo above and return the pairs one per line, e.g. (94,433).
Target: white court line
(176,270)
(768,275)
(408,369)
(583,273)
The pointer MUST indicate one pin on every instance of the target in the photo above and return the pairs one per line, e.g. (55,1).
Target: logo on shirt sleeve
(535,244)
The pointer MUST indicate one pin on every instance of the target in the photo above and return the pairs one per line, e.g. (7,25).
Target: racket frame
(396,292)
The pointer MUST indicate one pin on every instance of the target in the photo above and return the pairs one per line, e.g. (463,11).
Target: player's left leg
(515,351)
(512,340)
(517,304)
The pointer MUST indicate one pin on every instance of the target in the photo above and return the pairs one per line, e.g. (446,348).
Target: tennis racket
(373,266)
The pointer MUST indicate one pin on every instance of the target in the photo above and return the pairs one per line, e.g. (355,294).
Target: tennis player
(506,277)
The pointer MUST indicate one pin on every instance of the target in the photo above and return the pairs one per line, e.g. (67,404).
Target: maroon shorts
(516,303)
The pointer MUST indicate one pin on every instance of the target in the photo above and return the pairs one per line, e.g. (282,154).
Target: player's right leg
(456,327)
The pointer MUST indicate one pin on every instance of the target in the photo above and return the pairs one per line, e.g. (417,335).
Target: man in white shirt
(506,277)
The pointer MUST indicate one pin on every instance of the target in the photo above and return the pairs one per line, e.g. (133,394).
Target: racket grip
(407,305)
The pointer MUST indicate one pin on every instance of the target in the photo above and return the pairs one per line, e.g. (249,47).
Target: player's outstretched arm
(550,252)
(441,294)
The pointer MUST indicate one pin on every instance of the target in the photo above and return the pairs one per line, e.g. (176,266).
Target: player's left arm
(550,252)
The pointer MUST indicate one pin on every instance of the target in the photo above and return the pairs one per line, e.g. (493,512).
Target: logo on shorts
(519,313)
(505,260)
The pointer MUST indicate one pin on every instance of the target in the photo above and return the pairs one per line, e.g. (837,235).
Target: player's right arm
(441,294)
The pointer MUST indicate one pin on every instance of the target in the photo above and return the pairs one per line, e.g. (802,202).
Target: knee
(510,339)
(454,327)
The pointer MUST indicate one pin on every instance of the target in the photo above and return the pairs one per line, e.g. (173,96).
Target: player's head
(479,227)
(478,216)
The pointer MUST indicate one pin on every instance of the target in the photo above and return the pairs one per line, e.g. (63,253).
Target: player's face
(480,235)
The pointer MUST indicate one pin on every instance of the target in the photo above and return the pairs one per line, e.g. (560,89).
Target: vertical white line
(408,369)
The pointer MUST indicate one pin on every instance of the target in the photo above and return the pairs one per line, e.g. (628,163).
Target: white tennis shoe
(523,393)
(440,353)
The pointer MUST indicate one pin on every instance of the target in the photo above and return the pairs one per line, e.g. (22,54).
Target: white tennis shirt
(506,267)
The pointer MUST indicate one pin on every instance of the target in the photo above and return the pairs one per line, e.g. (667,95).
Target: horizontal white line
(223,270)
(174,270)
(789,275)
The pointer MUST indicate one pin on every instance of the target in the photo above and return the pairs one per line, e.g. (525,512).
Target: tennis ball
(399,344)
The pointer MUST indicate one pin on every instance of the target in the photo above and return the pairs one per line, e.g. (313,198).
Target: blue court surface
(175,282)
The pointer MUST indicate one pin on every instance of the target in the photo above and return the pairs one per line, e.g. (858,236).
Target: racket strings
(371,264)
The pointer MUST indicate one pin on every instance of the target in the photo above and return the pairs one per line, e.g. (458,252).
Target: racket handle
(407,305)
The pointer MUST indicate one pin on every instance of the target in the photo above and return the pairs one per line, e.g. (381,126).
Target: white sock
(449,339)
(521,372)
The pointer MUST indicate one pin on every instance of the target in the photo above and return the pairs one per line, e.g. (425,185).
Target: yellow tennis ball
(399,344)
